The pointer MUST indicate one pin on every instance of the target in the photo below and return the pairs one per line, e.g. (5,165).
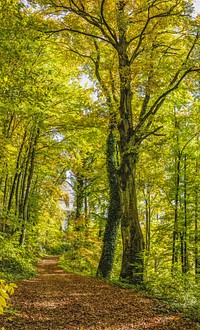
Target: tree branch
(185,145)
(145,104)
(160,100)
(92,20)
(110,30)
(142,33)
(185,62)
(105,89)
(76,31)
(143,137)
(141,37)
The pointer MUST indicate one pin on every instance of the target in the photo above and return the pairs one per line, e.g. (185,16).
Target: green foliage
(81,258)
(16,262)
(50,124)
(179,292)
(55,248)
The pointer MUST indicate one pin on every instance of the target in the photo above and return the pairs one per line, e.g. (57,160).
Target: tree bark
(185,225)
(132,237)
(79,195)
(148,218)
(27,181)
(196,224)
(17,173)
(113,219)
(176,206)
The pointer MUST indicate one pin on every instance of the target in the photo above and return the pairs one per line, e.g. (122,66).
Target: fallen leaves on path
(57,300)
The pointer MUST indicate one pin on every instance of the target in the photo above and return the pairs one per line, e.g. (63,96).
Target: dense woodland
(99,142)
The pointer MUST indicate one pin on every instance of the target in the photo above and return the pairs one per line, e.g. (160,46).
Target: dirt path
(55,300)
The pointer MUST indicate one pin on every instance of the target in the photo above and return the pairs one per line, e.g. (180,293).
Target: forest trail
(56,300)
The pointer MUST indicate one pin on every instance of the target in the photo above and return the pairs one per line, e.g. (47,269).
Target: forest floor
(56,300)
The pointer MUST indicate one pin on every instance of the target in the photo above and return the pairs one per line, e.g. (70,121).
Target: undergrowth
(80,258)
(16,262)
(180,293)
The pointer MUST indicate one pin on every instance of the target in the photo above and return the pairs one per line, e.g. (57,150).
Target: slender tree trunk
(28,180)
(24,177)
(182,251)
(17,195)
(185,254)
(175,231)
(196,224)
(5,196)
(16,175)
(148,218)
(79,195)
(176,206)
(86,217)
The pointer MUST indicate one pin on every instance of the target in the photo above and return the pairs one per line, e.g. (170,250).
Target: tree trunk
(17,173)
(196,224)
(113,220)
(79,195)
(86,216)
(148,217)
(27,185)
(185,253)
(129,143)
(176,206)
(4,204)
(133,242)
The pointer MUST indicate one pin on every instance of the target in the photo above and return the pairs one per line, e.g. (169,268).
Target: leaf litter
(56,300)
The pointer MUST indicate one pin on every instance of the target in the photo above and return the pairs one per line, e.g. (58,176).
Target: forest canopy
(99,149)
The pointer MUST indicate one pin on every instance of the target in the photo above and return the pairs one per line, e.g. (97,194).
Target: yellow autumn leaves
(5,291)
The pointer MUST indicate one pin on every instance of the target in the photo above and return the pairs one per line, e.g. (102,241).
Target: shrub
(16,262)
(179,292)
(80,259)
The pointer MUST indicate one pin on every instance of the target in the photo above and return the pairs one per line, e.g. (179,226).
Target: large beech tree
(150,47)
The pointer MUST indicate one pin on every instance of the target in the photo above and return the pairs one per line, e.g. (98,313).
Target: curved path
(56,300)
